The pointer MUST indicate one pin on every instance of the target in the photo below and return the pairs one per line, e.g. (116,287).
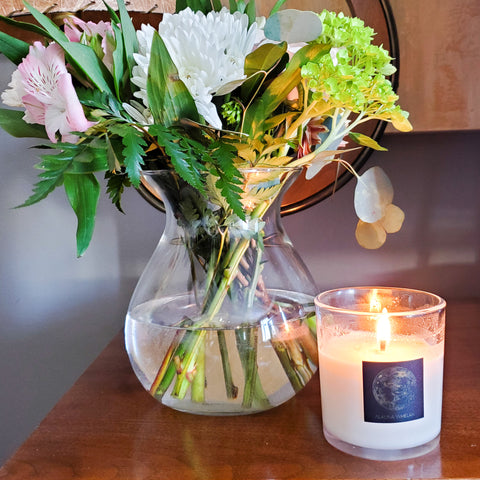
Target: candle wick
(383,345)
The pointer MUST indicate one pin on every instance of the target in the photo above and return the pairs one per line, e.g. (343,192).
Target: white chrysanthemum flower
(208,50)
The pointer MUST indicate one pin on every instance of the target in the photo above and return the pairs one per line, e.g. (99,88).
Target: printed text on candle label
(393,391)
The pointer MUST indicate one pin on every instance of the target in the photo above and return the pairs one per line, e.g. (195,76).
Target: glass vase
(222,320)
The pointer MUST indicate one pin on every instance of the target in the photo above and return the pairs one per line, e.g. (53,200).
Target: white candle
(342,364)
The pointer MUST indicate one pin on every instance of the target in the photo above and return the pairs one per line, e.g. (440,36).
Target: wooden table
(108,427)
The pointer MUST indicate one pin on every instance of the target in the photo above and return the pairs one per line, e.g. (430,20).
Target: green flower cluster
(232,113)
(352,74)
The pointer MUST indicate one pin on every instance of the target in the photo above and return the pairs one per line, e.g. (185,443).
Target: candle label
(393,391)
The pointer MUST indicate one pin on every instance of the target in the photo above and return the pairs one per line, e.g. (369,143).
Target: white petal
(373,193)
(13,95)
(209,113)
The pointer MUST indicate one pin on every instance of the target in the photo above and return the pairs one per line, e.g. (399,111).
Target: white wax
(341,383)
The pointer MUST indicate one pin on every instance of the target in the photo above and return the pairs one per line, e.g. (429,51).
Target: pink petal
(74,111)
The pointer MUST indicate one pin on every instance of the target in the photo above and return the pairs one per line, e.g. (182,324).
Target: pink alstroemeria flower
(43,86)
(79,31)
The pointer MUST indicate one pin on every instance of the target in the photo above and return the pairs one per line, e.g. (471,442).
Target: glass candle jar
(381,356)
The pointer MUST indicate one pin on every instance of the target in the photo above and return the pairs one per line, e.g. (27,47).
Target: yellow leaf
(370,235)
(401,122)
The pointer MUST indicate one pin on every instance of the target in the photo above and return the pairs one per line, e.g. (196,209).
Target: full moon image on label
(394,388)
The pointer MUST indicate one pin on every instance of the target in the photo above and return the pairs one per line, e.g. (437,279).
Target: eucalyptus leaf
(370,235)
(293,26)
(393,219)
(83,192)
(12,122)
(373,193)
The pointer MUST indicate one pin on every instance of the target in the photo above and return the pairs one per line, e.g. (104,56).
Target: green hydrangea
(353,74)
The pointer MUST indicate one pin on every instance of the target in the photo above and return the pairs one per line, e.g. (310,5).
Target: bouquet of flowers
(208,95)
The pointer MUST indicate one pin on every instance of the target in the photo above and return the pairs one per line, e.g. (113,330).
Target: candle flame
(384,333)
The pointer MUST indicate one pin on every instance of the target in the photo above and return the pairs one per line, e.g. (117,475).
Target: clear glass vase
(222,320)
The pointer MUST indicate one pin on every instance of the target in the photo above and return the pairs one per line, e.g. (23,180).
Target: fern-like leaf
(183,154)
(116,183)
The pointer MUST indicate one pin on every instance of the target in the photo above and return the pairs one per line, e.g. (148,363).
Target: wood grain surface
(108,428)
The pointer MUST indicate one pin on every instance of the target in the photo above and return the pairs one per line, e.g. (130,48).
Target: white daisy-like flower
(208,50)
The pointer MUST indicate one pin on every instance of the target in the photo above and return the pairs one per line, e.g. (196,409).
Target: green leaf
(129,35)
(12,122)
(119,62)
(231,193)
(263,59)
(204,6)
(115,19)
(366,141)
(27,26)
(15,50)
(221,156)
(83,192)
(89,158)
(94,98)
(183,154)
(134,151)
(251,12)
(81,56)
(116,183)
(51,178)
(180,5)
(278,5)
(168,97)
(217,5)
(280,87)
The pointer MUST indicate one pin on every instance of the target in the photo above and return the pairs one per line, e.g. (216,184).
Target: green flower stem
(229,273)
(231,389)
(247,339)
(198,382)
(283,355)
(256,275)
(189,348)
(187,372)
(249,366)
(168,369)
